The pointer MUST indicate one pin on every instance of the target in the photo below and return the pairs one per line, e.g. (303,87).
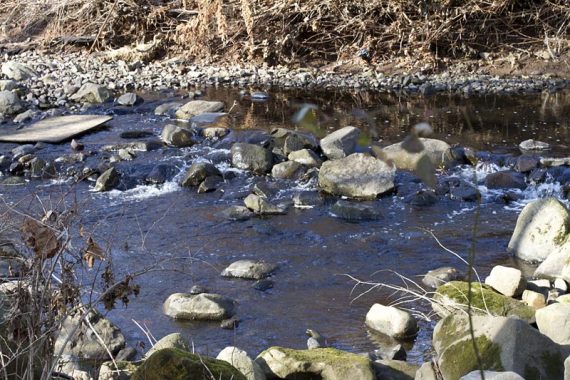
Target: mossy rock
(175,364)
(452,297)
(319,363)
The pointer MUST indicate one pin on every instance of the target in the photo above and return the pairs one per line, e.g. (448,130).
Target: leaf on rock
(425,170)
(41,239)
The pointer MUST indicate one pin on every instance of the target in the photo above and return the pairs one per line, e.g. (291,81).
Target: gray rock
(541,229)
(261,206)
(239,213)
(492,375)
(198,172)
(296,141)
(437,277)
(340,143)
(507,281)
(167,109)
(92,93)
(24,116)
(526,163)
(197,107)
(8,85)
(554,322)
(391,352)
(18,71)
(203,306)
(242,362)
(307,199)
(395,370)
(505,344)
(249,269)
(392,322)
(230,323)
(357,176)
(177,136)
(287,170)
(125,370)
(9,103)
(198,289)
(356,211)
(83,341)
(320,363)
(263,285)
(403,159)
(174,340)
(306,157)
(251,157)
(109,180)
(533,145)
(426,372)
(505,179)
(215,133)
(210,184)
(129,99)
(161,173)
(12,262)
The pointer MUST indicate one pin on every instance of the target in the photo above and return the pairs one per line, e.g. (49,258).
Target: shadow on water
(314,250)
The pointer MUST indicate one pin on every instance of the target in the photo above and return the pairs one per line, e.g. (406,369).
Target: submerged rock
(161,173)
(203,306)
(505,344)
(356,211)
(542,228)
(251,157)
(249,269)
(197,107)
(340,143)
(240,360)
(173,363)
(357,176)
(452,298)
(239,213)
(320,363)
(391,321)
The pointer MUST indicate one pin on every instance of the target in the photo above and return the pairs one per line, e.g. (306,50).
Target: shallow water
(183,237)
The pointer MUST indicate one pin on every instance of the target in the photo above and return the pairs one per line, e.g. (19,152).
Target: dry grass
(285,31)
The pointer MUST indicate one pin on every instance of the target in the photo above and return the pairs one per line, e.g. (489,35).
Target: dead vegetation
(300,32)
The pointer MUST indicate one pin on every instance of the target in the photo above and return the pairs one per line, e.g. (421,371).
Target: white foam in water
(143,192)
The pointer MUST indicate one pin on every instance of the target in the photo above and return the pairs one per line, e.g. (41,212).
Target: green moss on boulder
(175,364)
(452,297)
(465,361)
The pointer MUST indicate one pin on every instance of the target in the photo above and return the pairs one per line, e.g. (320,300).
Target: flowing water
(183,237)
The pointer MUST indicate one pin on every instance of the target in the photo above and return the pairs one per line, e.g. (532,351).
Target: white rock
(249,269)
(174,340)
(492,375)
(306,157)
(242,362)
(435,150)
(534,299)
(340,143)
(554,322)
(17,71)
(541,228)
(507,281)
(556,265)
(203,306)
(197,107)
(533,145)
(561,286)
(391,321)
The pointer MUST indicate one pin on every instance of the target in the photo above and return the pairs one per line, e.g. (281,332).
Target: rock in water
(241,361)
(542,227)
(203,306)
(320,363)
(172,363)
(356,211)
(507,281)
(530,145)
(505,344)
(197,107)
(392,322)
(109,180)
(287,170)
(9,103)
(92,93)
(357,176)
(437,277)
(260,206)
(505,180)
(198,172)
(18,71)
(251,157)
(177,136)
(405,160)
(249,269)
(341,143)
(306,157)
(128,99)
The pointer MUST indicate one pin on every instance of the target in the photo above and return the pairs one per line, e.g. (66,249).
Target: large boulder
(174,340)
(504,344)
(203,306)
(554,322)
(251,157)
(507,281)
(177,136)
(9,103)
(173,363)
(392,322)
(451,298)
(197,107)
(92,93)
(340,143)
(249,269)
(542,227)
(357,176)
(318,363)
(242,362)
(556,265)
(405,160)
(84,341)
(18,71)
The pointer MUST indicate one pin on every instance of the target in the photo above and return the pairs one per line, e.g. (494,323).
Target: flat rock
(55,129)
(203,306)
(197,107)
(533,145)
(306,157)
(261,206)
(249,269)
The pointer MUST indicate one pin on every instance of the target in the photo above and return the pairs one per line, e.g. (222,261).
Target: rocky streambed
(261,210)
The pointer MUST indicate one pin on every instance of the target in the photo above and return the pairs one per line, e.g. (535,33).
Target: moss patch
(482,295)
(175,364)
(459,359)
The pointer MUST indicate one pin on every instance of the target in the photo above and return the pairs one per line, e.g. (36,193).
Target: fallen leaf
(40,238)
(92,251)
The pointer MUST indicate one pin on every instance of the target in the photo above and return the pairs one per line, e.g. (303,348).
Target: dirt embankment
(502,37)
